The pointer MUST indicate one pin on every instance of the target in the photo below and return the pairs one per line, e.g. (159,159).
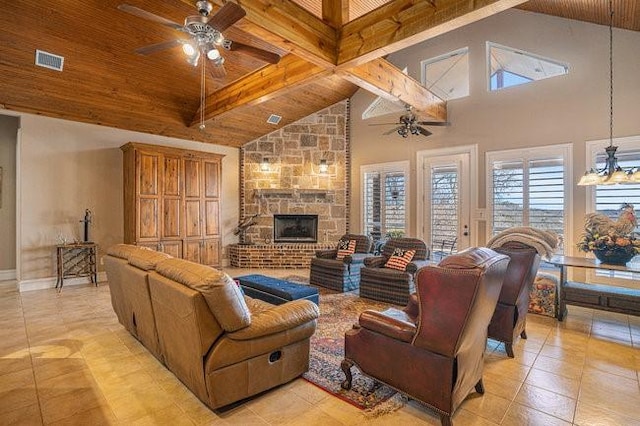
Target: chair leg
(509,348)
(480,387)
(445,420)
(523,334)
(346,368)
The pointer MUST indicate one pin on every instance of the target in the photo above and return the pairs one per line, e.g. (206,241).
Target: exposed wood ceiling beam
(391,27)
(335,12)
(265,84)
(382,78)
(296,30)
(403,23)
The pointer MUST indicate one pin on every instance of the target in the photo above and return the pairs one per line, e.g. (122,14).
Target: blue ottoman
(275,290)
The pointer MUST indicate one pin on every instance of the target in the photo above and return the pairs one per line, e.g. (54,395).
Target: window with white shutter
(608,199)
(384,199)
(529,188)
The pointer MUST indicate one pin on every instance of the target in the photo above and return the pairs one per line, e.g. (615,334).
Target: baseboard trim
(46,283)
(7,274)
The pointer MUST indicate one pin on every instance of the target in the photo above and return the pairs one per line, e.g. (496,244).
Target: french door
(446,202)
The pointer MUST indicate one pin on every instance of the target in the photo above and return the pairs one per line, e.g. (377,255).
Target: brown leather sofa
(340,274)
(433,351)
(222,345)
(510,317)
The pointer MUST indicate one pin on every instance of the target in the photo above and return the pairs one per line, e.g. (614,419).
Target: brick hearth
(274,256)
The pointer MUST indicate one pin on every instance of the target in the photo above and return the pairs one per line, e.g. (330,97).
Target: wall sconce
(264,165)
(324,167)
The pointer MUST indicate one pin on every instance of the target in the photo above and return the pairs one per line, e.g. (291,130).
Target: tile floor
(65,360)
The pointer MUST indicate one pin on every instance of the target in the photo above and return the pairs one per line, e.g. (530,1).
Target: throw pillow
(345,248)
(400,259)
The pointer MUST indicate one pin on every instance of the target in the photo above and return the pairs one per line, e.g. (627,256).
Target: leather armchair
(434,354)
(340,274)
(391,285)
(510,317)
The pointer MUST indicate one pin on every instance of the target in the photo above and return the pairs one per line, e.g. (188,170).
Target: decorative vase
(613,257)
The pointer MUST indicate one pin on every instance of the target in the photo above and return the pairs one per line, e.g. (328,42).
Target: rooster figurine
(600,224)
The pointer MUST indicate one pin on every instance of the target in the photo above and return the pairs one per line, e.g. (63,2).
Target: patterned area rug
(338,313)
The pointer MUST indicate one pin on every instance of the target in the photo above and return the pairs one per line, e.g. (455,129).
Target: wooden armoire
(172,201)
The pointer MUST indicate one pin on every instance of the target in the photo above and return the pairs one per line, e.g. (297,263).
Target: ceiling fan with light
(408,124)
(205,35)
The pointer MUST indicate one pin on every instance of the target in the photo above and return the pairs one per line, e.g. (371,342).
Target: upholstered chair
(381,282)
(510,317)
(340,271)
(434,354)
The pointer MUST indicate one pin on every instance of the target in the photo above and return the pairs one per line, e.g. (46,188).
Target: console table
(76,260)
(597,296)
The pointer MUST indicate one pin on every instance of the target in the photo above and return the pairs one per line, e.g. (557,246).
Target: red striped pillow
(345,248)
(400,259)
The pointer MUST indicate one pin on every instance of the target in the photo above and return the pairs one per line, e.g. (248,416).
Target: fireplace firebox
(295,228)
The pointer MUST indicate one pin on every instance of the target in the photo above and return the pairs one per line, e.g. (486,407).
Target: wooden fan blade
(382,124)
(148,15)
(217,71)
(263,55)
(153,48)
(393,130)
(423,131)
(226,16)
(434,123)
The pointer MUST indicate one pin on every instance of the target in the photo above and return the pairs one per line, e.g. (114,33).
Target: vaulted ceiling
(329,49)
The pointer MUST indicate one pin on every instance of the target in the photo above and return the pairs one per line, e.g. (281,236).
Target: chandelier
(612,173)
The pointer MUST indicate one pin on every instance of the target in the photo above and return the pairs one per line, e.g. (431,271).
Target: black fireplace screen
(295,228)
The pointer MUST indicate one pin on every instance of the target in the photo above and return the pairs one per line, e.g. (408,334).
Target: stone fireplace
(280,175)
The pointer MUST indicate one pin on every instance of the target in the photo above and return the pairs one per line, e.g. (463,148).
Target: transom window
(447,76)
(511,67)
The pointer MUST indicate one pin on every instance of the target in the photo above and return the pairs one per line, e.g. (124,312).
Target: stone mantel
(295,193)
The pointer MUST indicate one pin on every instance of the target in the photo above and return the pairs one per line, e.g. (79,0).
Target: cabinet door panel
(192,178)
(192,218)
(172,248)
(211,252)
(171,177)
(148,210)
(171,218)
(147,174)
(211,226)
(193,250)
(211,179)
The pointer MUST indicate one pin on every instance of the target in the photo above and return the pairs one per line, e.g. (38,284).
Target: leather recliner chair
(433,351)
(509,318)
(340,274)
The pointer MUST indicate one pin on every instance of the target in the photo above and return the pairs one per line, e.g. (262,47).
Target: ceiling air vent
(274,119)
(49,60)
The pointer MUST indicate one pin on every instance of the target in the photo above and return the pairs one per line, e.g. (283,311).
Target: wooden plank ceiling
(325,59)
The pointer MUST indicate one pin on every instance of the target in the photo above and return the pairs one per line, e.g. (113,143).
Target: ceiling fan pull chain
(202,94)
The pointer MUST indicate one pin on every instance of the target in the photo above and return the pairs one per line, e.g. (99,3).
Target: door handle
(466,231)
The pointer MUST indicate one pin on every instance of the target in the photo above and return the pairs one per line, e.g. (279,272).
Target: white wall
(567,109)
(67,167)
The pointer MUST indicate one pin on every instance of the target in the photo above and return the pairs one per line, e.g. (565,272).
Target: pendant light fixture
(612,173)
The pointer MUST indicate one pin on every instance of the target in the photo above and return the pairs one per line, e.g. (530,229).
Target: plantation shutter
(394,202)
(508,195)
(444,203)
(546,194)
(372,205)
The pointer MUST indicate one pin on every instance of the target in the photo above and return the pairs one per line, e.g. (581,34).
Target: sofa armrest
(392,323)
(355,258)
(375,261)
(327,254)
(413,267)
(278,319)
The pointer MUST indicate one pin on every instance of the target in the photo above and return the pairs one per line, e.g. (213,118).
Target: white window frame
(593,149)
(390,167)
(425,62)
(532,153)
